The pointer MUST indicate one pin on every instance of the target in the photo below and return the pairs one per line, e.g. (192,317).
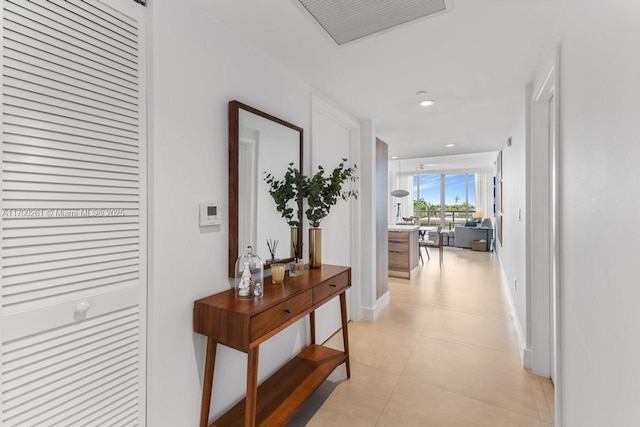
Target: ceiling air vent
(348,20)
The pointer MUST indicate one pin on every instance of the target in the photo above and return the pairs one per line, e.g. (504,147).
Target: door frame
(320,105)
(544,252)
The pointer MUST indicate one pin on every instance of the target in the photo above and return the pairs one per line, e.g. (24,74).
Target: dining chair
(434,240)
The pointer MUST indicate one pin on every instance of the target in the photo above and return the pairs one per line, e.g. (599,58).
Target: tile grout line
(534,377)
(546,398)
(474,399)
(422,336)
(395,387)
(488,316)
(484,347)
(386,403)
(436,286)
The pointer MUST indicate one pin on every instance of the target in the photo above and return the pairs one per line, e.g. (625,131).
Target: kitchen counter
(403,250)
(393,227)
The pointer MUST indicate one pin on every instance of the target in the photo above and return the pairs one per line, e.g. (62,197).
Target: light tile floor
(443,353)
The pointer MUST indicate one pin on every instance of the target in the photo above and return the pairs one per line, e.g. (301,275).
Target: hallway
(442,353)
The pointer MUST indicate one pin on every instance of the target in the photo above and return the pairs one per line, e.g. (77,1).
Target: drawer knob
(82,307)
(333,286)
(80,311)
(288,311)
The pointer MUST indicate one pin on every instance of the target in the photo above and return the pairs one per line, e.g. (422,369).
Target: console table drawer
(330,287)
(277,315)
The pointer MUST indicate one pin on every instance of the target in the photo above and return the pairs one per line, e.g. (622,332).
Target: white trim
(527,358)
(151,391)
(1,220)
(356,254)
(525,354)
(543,248)
(371,314)
(367,221)
(539,242)
(544,86)
(557,250)
(527,217)
(321,105)
(140,15)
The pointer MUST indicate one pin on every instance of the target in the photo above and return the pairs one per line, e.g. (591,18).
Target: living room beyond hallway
(442,353)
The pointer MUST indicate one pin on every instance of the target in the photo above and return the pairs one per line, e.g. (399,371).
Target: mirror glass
(258,144)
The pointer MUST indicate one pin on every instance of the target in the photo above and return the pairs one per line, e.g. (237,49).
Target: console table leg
(345,331)
(312,323)
(207,383)
(252,387)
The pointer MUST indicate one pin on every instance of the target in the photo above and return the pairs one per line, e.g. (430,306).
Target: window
(444,199)
(426,200)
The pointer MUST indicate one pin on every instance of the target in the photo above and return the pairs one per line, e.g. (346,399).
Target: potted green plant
(322,192)
(284,191)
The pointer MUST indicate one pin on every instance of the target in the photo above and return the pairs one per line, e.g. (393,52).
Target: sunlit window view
(459,198)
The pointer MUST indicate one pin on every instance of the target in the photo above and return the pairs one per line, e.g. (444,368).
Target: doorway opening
(544,242)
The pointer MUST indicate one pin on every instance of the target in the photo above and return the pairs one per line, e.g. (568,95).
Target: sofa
(463,236)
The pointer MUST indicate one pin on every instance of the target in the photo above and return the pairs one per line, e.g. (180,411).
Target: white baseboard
(370,314)
(525,354)
(382,302)
(527,358)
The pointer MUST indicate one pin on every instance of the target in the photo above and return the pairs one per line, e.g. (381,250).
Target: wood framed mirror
(259,143)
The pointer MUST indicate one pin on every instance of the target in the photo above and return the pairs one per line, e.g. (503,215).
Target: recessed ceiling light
(450,145)
(394,157)
(423,101)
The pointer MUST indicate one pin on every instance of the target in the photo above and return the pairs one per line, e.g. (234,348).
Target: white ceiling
(457,163)
(473,61)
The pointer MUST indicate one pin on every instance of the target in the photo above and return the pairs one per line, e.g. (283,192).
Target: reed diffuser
(296,267)
(272,245)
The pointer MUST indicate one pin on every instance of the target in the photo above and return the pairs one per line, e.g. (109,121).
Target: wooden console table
(245,324)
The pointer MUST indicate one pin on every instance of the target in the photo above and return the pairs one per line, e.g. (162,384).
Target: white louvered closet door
(73,227)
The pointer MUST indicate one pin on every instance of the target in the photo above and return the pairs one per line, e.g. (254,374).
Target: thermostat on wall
(209,214)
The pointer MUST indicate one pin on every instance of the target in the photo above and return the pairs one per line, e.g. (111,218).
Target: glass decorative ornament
(249,276)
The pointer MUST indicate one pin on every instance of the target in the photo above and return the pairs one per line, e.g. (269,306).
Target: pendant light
(399,193)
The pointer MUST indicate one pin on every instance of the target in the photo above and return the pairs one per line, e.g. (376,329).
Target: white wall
(370,305)
(599,166)
(331,145)
(512,252)
(196,68)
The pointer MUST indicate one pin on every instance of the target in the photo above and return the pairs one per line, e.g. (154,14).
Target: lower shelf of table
(282,394)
